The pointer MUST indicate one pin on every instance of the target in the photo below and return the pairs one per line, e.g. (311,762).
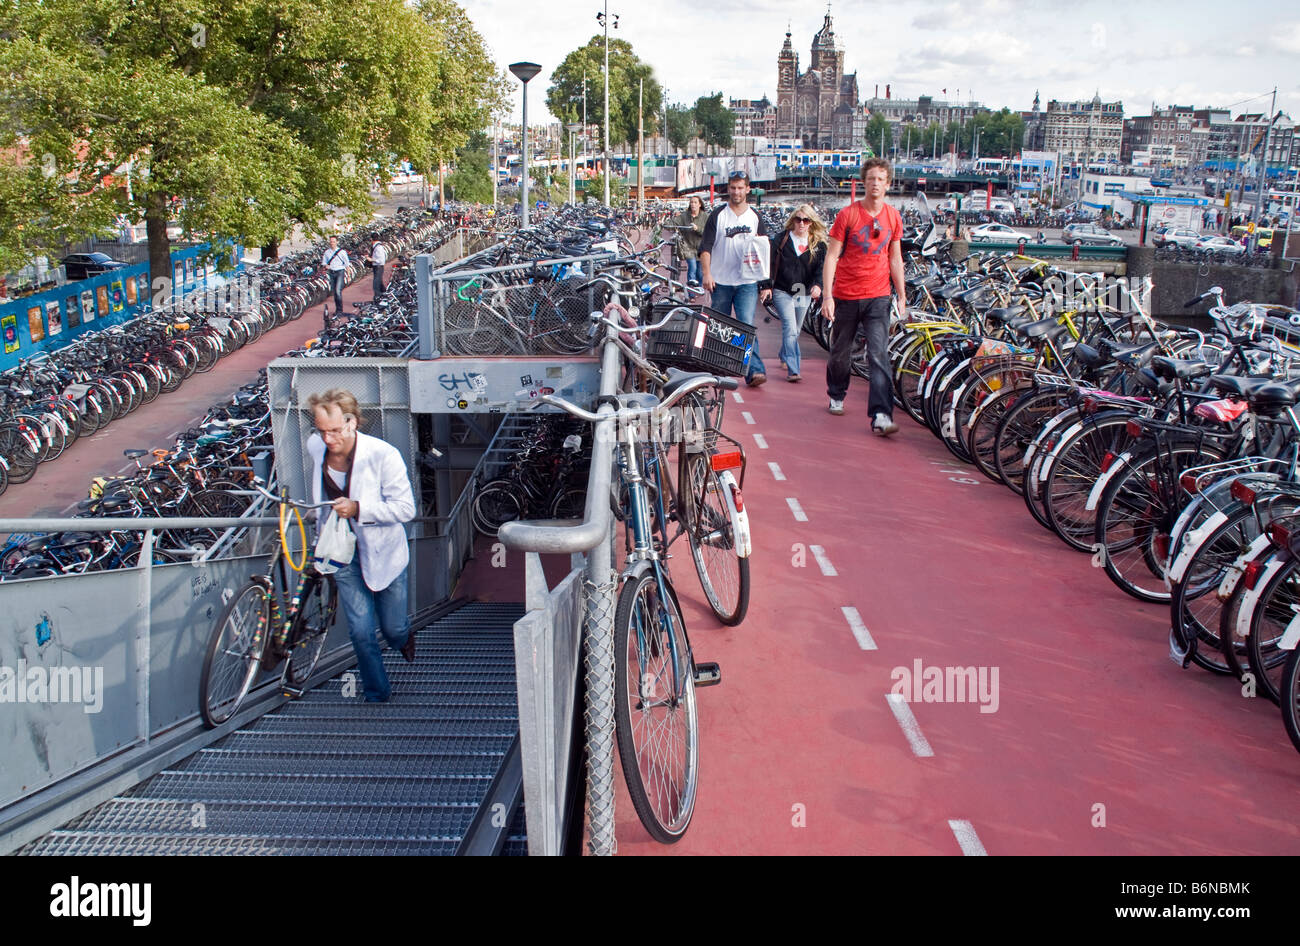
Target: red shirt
(862,271)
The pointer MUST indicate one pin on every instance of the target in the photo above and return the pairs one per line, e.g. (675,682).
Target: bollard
(1020,247)
(1074,250)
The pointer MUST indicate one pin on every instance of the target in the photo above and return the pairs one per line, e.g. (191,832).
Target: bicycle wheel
(724,575)
(234,654)
(1017,429)
(655,719)
(1075,469)
(1290,696)
(317,606)
(1268,622)
(497,502)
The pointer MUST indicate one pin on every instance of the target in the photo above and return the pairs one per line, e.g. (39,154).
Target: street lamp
(572,129)
(603,19)
(523,71)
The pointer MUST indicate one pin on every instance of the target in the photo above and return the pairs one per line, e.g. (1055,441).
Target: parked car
(989,232)
(82,265)
(1089,234)
(1220,246)
(1177,236)
(1263,235)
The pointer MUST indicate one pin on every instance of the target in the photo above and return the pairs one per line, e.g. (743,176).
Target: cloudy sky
(1185,52)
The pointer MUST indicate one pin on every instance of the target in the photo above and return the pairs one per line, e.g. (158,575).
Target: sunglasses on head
(738,176)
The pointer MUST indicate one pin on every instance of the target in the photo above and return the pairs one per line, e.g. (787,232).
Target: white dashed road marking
(739,399)
(799,514)
(967,838)
(859,629)
(776,472)
(749,418)
(823,561)
(761,441)
(911,729)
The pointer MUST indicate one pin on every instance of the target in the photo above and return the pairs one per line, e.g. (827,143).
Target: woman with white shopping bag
(367,482)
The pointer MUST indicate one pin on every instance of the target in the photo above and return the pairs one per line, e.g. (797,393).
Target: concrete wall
(1175,283)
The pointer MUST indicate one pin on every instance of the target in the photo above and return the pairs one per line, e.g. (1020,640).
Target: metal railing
(551,648)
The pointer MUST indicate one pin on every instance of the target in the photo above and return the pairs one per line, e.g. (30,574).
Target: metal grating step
(330,774)
(360,821)
(322,789)
(80,843)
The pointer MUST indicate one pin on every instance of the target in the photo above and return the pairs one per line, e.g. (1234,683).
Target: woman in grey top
(690,223)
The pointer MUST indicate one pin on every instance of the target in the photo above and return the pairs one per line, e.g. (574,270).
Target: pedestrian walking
(734,259)
(377,258)
(855,289)
(367,482)
(689,225)
(796,272)
(335,261)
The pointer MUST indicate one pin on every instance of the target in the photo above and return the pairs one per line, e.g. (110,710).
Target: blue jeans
(744,298)
(791,323)
(693,270)
(369,611)
(336,289)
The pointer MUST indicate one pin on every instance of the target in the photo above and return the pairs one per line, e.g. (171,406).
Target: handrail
(125,524)
(550,535)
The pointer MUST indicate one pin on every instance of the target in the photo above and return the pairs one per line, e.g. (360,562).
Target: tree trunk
(160,254)
(270,252)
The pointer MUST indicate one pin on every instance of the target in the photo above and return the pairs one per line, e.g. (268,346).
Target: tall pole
(607,170)
(1263,165)
(523,71)
(496,162)
(640,145)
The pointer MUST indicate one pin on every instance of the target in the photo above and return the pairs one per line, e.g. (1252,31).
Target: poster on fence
(101,296)
(189,270)
(117,296)
(35,324)
(87,307)
(9,330)
(73,306)
(143,281)
(131,295)
(53,318)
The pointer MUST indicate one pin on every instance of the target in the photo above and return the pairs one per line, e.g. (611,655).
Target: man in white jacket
(368,483)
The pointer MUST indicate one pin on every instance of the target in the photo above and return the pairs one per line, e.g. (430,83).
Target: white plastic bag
(754,264)
(335,545)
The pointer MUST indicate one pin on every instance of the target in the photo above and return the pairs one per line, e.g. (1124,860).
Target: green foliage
(564,96)
(715,121)
(878,125)
(472,179)
(249,115)
(594,187)
(681,125)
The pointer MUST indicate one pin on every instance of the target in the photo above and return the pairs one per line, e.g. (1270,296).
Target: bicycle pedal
(708,674)
(292,693)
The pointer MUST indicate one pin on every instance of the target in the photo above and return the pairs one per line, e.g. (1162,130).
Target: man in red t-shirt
(855,290)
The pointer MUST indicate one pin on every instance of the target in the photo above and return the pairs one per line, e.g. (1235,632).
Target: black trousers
(874,315)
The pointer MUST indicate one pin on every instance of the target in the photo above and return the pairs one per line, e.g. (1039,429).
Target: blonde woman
(798,253)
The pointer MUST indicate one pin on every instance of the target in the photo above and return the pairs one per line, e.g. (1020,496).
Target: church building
(807,103)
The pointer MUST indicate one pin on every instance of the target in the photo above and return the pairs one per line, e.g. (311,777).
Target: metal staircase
(330,774)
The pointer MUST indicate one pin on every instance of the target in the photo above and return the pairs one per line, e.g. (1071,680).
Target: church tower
(787,69)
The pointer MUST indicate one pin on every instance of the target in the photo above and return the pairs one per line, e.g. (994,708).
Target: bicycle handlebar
(726,384)
(257,485)
(640,329)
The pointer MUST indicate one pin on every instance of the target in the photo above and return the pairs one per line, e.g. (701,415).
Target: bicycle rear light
(1279,534)
(1134,427)
(1188,482)
(1251,575)
(1106,461)
(726,461)
(1242,493)
(739,500)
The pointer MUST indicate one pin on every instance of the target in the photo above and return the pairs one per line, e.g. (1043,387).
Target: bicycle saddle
(677,377)
(1237,385)
(1182,369)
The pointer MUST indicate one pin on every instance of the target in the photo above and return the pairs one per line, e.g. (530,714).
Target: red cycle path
(800,751)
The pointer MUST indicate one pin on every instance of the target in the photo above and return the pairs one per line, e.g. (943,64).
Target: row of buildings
(820,108)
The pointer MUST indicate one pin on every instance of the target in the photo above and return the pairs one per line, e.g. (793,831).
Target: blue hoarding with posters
(49,320)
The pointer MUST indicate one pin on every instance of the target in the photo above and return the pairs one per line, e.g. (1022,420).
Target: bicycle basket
(702,340)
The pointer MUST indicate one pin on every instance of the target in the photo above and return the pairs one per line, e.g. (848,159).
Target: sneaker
(794,378)
(756,379)
(837,407)
(408,649)
(884,425)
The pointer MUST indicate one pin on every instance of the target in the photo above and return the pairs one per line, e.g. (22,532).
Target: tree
(626,72)
(715,121)
(878,130)
(472,179)
(315,101)
(681,125)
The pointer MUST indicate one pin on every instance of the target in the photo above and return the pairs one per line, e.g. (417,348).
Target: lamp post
(604,21)
(523,71)
(572,129)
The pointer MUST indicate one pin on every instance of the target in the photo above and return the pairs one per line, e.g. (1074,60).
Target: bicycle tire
(317,607)
(657,734)
(234,654)
(496,503)
(1268,622)
(1073,472)
(1290,696)
(19,452)
(1017,429)
(724,575)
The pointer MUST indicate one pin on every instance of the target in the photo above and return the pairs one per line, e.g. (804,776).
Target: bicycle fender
(1191,542)
(739,517)
(1250,600)
(1044,468)
(1103,481)
(1291,636)
(1238,567)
